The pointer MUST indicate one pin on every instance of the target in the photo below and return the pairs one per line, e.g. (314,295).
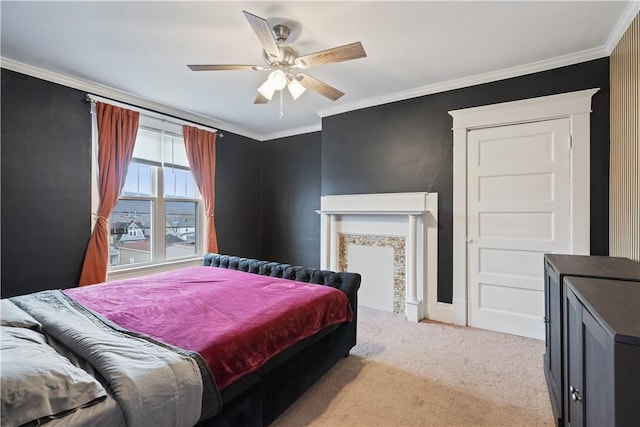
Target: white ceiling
(138,51)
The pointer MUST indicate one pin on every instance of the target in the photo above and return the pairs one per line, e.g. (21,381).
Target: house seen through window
(158,217)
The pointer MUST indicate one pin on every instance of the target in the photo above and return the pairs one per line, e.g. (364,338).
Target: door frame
(573,105)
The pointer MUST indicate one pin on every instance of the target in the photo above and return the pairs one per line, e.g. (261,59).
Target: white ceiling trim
(520,70)
(561,61)
(292,132)
(125,97)
(121,96)
(206,115)
(621,26)
(128,98)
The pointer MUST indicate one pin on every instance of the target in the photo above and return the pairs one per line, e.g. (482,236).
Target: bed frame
(260,397)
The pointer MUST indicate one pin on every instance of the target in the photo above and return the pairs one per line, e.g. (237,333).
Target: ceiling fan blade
(322,88)
(263,31)
(260,99)
(223,67)
(329,56)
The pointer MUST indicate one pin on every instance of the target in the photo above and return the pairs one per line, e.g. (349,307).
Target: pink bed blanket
(237,321)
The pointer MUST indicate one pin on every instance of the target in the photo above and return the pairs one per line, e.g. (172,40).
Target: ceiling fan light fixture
(267,89)
(281,58)
(295,88)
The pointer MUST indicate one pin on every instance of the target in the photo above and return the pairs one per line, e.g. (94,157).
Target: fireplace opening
(381,262)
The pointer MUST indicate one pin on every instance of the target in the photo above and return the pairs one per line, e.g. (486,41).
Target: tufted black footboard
(261,397)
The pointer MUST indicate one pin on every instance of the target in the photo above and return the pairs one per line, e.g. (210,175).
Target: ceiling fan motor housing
(288,56)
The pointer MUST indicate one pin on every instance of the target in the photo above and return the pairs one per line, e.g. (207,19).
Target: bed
(230,343)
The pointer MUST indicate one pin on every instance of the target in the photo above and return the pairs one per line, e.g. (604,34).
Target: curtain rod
(149,113)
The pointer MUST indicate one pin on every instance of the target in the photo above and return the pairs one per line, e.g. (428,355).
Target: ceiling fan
(286,63)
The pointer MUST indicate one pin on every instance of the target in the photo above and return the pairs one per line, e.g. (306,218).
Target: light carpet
(428,374)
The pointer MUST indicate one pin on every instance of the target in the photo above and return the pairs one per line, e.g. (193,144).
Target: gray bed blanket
(154,384)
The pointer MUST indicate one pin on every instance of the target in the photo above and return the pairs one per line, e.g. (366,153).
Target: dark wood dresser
(556,268)
(602,352)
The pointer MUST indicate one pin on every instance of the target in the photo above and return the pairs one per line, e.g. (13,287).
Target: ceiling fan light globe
(295,88)
(277,80)
(267,89)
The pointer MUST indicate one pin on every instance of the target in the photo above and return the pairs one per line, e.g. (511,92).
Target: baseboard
(443,313)
(459,311)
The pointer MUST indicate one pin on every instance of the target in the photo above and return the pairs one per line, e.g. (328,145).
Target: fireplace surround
(405,222)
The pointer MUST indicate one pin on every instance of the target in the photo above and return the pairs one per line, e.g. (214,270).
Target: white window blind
(160,148)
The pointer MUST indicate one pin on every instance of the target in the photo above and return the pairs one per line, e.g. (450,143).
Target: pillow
(37,382)
(11,315)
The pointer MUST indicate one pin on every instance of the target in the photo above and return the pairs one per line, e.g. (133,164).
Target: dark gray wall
(408,146)
(291,195)
(238,196)
(46,186)
(266,193)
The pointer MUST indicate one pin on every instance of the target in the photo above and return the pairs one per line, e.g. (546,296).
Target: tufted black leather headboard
(349,283)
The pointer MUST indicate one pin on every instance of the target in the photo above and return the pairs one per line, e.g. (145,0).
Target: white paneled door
(518,193)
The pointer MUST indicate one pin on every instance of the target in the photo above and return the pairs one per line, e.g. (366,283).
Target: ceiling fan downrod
(281,33)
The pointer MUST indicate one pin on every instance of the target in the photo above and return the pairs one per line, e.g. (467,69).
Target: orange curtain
(117,130)
(201,152)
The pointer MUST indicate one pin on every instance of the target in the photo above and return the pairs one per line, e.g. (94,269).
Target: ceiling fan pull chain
(281,112)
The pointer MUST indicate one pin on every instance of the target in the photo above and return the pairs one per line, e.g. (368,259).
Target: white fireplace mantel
(382,203)
(410,215)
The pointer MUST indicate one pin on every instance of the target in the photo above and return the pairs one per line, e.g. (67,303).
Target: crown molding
(292,132)
(108,92)
(520,70)
(121,96)
(621,26)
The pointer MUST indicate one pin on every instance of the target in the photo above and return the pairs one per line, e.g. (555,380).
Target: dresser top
(615,303)
(595,266)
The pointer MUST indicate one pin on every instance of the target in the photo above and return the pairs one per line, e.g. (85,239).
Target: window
(159,215)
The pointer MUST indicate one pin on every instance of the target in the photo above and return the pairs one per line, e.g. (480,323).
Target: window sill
(127,273)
